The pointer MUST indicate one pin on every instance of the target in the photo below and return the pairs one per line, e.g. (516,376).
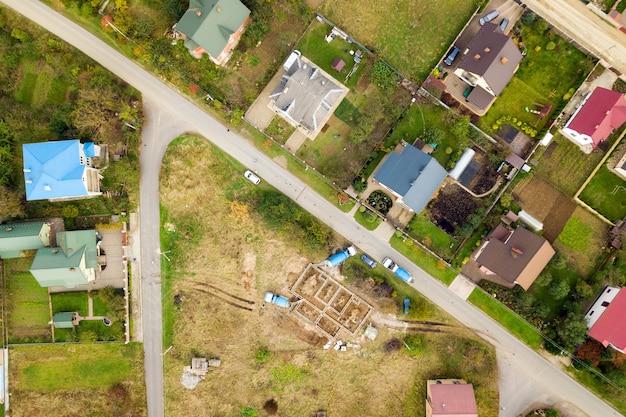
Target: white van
(293,57)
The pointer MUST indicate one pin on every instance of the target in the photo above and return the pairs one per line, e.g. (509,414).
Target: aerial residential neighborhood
(313,208)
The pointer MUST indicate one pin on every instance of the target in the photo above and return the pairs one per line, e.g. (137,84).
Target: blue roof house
(412,176)
(61,170)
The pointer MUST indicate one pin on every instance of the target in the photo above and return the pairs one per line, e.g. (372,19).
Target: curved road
(525,376)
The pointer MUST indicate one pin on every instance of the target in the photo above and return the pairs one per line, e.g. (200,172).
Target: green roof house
(213,27)
(18,237)
(72,263)
(63,320)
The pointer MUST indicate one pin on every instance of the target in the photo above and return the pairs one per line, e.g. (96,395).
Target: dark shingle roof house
(489,64)
(596,118)
(412,176)
(517,257)
(213,27)
(606,319)
(306,96)
(450,398)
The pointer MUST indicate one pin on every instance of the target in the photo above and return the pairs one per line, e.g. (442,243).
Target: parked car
(489,17)
(369,261)
(293,57)
(401,273)
(452,56)
(250,176)
(503,24)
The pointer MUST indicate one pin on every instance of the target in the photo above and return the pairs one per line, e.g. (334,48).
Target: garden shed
(338,64)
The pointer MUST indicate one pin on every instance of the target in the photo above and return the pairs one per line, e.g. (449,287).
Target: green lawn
(52,368)
(367,218)
(314,47)
(606,193)
(431,236)
(279,129)
(511,321)
(99,307)
(565,165)
(70,301)
(424,260)
(410,35)
(28,312)
(57,92)
(613,395)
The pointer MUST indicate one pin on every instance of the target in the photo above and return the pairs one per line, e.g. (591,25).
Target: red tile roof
(453,400)
(604,111)
(611,326)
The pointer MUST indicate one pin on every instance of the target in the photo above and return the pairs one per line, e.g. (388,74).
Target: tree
(590,351)
(6,154)
(558,261)
(506,200)
(573,330)
(11,203)
(559,289)
(529,17)
(434,135)
(93,109)
(583,290)
(175,9)
(460,130)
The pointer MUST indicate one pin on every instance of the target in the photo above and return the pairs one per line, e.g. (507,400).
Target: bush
(383,75)
(550,46)
(529,18)
(262,355)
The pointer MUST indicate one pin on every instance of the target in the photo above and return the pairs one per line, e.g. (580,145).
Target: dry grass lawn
(224,256)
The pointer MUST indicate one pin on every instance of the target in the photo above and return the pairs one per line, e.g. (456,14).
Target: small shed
(338,64)
(515,161)
(64,320)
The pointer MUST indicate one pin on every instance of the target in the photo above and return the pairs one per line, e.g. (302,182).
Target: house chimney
(515,252)
(47,187)
(504,60)
(476,57)
(199,13)
(596,126)
(487,50)
(8,229)
(55,251)
(607,112)
(219,9)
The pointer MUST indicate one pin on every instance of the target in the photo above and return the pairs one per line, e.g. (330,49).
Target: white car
(252,177)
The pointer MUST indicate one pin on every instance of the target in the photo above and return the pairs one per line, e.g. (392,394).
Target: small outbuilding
(338,64)
(64,320)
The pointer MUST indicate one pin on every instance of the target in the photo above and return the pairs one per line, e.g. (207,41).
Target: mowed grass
(76,380)
(424,260)
(70,302)
(508,319)
(431,236)
(410,35)
(28,312)
(39,85)
(564,165)
(606,193)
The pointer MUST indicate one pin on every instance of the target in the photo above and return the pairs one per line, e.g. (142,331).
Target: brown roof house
(450,398)
(488,65)
(515,257)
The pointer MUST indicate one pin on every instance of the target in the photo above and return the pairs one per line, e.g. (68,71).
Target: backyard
(410,35)
(549,74)
(606,194)
(78,380)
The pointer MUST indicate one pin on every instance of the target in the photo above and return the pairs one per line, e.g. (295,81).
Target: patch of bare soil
(545,203)
(451,207)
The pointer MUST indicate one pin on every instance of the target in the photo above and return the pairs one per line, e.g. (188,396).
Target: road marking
(298,196)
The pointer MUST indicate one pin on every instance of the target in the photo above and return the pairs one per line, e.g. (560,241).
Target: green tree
(434,135)
(573,330)
(20,35)
(383,75)
(506,200)
(528,18)
(460,130)
(559,289)
(11,205)
(6,154)
(69,212)
(174,9)
(583,290)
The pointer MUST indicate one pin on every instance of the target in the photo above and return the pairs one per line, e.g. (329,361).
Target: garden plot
(546,204)
(336,311)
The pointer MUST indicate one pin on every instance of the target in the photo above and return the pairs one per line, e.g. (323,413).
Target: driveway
(168,114)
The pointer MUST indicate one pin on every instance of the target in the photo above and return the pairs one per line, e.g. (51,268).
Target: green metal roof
(18,237)
(63,320)
(209,23)
(65,265)
(76,239)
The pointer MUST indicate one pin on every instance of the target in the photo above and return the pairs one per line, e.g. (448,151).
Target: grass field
(410,35)
(28,312)
(606,194)
(610,393)
(368,219)
(582,241)
(70,301)
(431,236)
(565,165)
(511,321)
(77,380)
(424,260)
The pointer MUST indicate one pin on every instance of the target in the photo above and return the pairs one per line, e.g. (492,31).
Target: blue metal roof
(89,149)
(413,174)
(53,170)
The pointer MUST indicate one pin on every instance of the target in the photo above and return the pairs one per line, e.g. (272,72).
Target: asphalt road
(525,376)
